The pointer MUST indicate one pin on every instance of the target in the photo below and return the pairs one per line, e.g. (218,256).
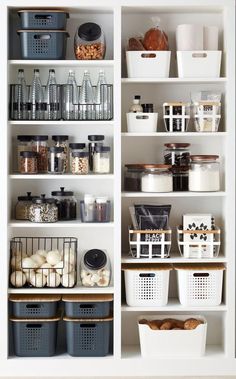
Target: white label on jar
(204,180)
(156,183)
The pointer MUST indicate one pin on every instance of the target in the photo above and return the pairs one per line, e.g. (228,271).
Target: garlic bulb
(38,259)
(43,253)
(45,269)
(53,257)
(28,263)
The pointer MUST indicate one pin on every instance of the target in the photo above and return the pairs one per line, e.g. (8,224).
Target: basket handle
(88,325)
(42,36)
(33,306)
(144,117)
(90,306)
(199,55)
(43,16)
(201,274)
(149,275)
(148,55)
(34,326)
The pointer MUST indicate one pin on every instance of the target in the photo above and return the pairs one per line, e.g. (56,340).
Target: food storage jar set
(52,262)
(34,155)
(37,322)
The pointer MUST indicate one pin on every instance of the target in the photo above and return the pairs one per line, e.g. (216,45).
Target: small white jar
(204,173)
(157,178)
(101,160)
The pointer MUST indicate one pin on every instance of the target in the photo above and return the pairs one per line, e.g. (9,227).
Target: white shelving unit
(121,19)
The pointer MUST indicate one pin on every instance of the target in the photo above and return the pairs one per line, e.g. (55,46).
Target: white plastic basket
(142,122)
(199,64)
(146,285)
(172,343)
(203,249)
(150,243)
(148,64)
(200,285)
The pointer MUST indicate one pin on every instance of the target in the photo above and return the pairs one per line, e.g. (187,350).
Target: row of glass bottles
(37,102)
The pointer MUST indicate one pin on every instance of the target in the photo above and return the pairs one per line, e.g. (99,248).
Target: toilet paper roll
(210,38)
(189,37)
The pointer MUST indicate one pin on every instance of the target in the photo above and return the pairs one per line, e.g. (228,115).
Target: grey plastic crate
(38,44)
(88,338)
(36,338)
(33,306)
(43,19)
(87,306)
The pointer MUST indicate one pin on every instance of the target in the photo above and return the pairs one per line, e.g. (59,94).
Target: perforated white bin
(200,285)
(148,64)
(142,122)
(146,284)
(172,343)
(199,64)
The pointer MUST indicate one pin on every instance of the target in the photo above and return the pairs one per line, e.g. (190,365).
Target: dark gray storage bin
(43,19)
(87,306)
(88,338)
(34,306)
(35,338)
(47,44)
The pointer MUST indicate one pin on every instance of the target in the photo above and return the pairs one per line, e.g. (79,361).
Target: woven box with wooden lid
(34,306)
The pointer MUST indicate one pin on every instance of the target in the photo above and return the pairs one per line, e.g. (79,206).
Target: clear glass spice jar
(157,178)
(132,180)
(43,210)
(94,140)
(80,163)
(24,143)
(66,204)
(204,173)
(101,160)
(89,42)
(62,141)
(56,160)
(40,146)
(75,148)
(28,162)
(95,269)
(22,206)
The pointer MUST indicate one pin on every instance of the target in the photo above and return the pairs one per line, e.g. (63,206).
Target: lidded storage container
(43,19)
(87,306)
(178,155)
(56,160)
(132,180)
(24,143)
(66,204)
(75,148)
(176,116)
(40,146)
(94,140)
(80,163)
(34,306)
(204,173)
(43,210)
(156,178)
(95,269)
(22,206)
(89,42)
(62,141)
(28,162)
(101,160)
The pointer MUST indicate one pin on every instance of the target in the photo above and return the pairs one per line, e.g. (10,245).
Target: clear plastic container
(96,210)
(204,173)
(43,210)
(66,204)
(89,42)
(62,141)
(80,163)
(132,180)
(75,148)
(22,207)
(157,178)
(28,162)
(40,146)
(94,140)
(56,160)
(101,160)
(95,270)
(24,143)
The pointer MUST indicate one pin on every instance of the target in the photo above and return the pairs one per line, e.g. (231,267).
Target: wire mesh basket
(150,243)
(198,243)
(43,262)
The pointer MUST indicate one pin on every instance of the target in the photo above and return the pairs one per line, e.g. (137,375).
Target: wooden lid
(199,266)
(200,158)
(35,320)
(144,166)
(208,102)
(151,231)
(46,298)
(84,298)
(176,103)
(146,267)
(42,31)
(42,11)
(88,320)
(177,145)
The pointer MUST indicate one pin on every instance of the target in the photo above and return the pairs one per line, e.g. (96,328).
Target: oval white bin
(142,122)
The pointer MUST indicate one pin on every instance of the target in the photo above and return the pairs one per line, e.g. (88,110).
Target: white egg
(53,257)
(45,269)
(28,263)
(38,280)
(38,259)
(43,253)
(69,255)
(63,268)
(16,263)
(68,280)
(53,280)
(18,279)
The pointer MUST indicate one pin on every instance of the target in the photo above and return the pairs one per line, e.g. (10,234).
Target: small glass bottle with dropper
(136,106)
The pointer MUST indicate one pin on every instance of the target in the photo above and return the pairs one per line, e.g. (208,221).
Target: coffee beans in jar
(89,42)
(80,163)
(43,210)
(62,141)
(40,146)
(28,162)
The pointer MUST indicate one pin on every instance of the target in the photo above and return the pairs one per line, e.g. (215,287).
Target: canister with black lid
(95,269)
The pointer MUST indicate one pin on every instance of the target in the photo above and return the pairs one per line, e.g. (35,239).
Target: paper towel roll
(189,37)
(210,38)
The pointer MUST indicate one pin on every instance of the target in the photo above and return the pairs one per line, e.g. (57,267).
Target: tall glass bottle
(21,113)
(72,95)
(101,100)
(51,97)
(86,98)
(36,97)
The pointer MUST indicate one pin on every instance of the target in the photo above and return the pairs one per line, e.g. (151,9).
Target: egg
(16,263)
(63,268)
(43,253)
(28,263)
(38,259)
(38,280)
(68,280)
(53,257)
(53,279)
(68,255)
(45,269)
(18,279)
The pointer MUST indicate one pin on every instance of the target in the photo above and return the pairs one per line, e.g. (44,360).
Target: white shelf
(60,224)
(63,177)
(60,290)
(172,80)
(173,194)
(174,258)
(176,134)
(62,63)
(174,305)
(60,123)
